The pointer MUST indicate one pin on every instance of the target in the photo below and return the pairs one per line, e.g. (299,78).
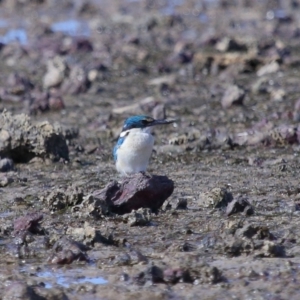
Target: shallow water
(67,278)
(72,27)
(14,35)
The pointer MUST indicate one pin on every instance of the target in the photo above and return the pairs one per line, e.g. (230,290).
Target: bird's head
(134,123)
(142,122)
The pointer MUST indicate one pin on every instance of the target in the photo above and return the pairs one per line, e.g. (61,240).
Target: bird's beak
(161,122)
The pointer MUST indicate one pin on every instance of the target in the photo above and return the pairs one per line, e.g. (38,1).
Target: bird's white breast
(134,154)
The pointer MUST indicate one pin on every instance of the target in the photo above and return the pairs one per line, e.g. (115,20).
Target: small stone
(92,75)
(233,95)
(56,102)
(278,95)
(141,217)
(56,72)
(270,68)
(164,80)
(216,198)
(159,112)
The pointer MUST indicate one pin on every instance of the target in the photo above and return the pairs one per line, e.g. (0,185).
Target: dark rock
(181,203)
(29,222)
(21,141)
(124,277)
(66,251)
(6,164)
(134,192)
(233,95)
(297,206)
(187,247)
(239,205)
(155,273)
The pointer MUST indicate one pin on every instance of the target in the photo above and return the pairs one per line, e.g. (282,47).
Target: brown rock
(136,191)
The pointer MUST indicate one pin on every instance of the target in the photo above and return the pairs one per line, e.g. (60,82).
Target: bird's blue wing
(118,145)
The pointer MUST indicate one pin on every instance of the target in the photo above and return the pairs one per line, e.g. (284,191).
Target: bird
(135,143)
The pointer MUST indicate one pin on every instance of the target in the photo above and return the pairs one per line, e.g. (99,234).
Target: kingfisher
(134,146)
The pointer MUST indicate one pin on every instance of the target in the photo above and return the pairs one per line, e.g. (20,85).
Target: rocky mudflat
(216,216)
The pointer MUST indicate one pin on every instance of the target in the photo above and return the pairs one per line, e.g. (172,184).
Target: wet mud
(217,214)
